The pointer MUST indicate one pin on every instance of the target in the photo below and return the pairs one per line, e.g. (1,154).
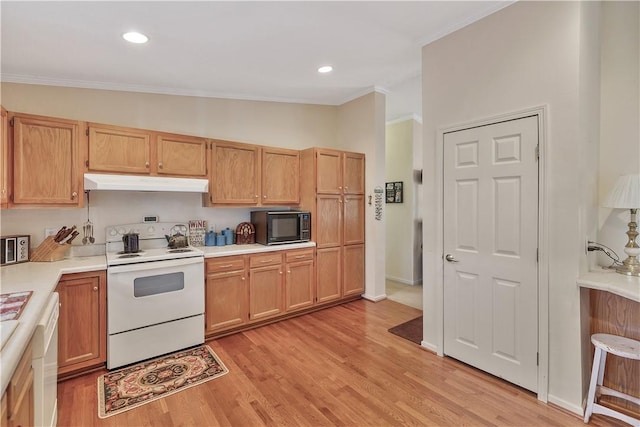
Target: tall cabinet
(332,189)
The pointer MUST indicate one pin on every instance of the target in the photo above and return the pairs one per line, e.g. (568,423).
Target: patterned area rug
(132,386)
(411,330)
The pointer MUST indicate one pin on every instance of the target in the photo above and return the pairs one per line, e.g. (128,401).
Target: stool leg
(595,376)
(603,360)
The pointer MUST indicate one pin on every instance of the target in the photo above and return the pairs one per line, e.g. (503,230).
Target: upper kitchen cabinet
(181,155)
(280,176)
(339,172)
(235,173)
(45,161)
(118,149)
(138,151)
(4,145)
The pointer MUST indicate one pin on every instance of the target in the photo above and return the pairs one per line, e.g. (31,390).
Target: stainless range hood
(94,181)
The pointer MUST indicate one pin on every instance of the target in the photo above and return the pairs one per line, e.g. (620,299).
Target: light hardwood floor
(338,366)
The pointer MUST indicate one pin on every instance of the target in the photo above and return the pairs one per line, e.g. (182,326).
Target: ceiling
(232,49)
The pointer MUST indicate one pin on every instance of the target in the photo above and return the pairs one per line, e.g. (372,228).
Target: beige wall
(400,223)
(527,55)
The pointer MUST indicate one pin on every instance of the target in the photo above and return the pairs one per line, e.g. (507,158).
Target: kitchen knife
(67,233)
(70,238)
(59,234)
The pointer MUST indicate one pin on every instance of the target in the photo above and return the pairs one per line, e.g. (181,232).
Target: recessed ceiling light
(135,37)
(325,69)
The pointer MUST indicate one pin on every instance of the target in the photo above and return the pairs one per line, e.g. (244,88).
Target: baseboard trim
(404,281)
(575,409)
(429,346)
(377,298)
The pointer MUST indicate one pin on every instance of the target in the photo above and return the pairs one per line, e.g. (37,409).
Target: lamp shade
(625,194)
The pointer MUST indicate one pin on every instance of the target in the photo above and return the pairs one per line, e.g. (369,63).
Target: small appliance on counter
(278,227)
(15,249)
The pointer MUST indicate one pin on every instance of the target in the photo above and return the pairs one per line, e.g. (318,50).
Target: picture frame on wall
(393,192)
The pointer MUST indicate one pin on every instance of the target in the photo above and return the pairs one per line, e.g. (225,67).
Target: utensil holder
(49,251)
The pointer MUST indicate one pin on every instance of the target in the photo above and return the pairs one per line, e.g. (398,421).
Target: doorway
(490,248)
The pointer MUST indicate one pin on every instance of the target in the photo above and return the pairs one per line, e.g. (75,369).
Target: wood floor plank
(335,367)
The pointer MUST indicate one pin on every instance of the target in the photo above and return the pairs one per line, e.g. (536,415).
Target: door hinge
(86,163)
(538,152)
(87,132)
(11,122)
(537,359)
(537,255)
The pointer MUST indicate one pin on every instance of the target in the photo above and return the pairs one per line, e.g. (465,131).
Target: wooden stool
(620,346)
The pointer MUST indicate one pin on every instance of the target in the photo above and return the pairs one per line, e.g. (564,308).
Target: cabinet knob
(4,191)
(265,196)
(257,196)
(243,278)
(281,272)
(346,188)
(160,165)
(74,195)
(95,288)
(146,165)
(339,188)
(288,271)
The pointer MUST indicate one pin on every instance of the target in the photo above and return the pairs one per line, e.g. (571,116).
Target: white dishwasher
(45,365)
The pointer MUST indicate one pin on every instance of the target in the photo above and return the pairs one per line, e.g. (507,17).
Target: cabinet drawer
(265,259)
(20,379)
(303,255)
(217,265)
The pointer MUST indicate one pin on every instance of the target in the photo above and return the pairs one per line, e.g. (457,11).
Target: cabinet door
(328,220)
(328,171)
(45,161)
(353,173)
(353,281)
(353,219)
(328,274)
(82,324)
(299,280)
(280,176)
(23,413)
(225,300)
(265,292)
(4,176)
(234,174)
(118,149)
(182,155)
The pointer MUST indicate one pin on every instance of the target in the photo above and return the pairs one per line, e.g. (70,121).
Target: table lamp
(625,194)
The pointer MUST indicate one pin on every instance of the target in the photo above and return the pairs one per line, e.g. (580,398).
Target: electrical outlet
(50,232)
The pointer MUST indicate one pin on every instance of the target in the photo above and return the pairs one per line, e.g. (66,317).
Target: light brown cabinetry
(332,188)
(4,155)
(226,293)
(265,285)
(138,151)
(45,161)
(299,279)
(250,175)
(18,402)
(82,327)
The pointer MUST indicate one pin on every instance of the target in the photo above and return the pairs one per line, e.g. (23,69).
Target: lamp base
(631,265)
(628,269)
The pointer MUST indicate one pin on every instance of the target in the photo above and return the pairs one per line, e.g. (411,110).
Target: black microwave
(277,227)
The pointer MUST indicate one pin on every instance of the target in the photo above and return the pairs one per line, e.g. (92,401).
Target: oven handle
(154,265)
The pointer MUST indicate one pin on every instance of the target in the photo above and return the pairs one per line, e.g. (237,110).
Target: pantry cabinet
(82,327)
(299,279)
(332,189)
(265,286)
(45,161)
(226,293)
(4,155)
(116,149)
(251,175)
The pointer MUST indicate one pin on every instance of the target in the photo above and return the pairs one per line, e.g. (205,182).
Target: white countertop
(610,281)
(42,278)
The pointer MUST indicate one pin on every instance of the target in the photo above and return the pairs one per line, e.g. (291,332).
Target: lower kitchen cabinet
(226,296)
(353,270)
(265,285)
(82,326)
(18,402)
(299,279)
(328,274)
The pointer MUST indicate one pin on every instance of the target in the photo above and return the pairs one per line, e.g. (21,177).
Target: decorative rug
(135,385)
(411,330)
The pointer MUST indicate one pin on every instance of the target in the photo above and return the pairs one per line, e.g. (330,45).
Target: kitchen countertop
(42,277)
(610,281)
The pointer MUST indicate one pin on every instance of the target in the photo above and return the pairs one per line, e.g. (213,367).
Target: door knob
(450,258)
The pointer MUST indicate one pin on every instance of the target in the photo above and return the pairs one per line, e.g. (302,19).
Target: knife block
(49,251)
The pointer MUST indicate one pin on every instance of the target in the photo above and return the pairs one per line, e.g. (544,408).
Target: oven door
(151,293)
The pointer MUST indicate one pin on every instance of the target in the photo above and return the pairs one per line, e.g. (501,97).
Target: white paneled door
(490,249)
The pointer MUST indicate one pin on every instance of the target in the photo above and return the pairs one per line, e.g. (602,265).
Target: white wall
(526,55)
